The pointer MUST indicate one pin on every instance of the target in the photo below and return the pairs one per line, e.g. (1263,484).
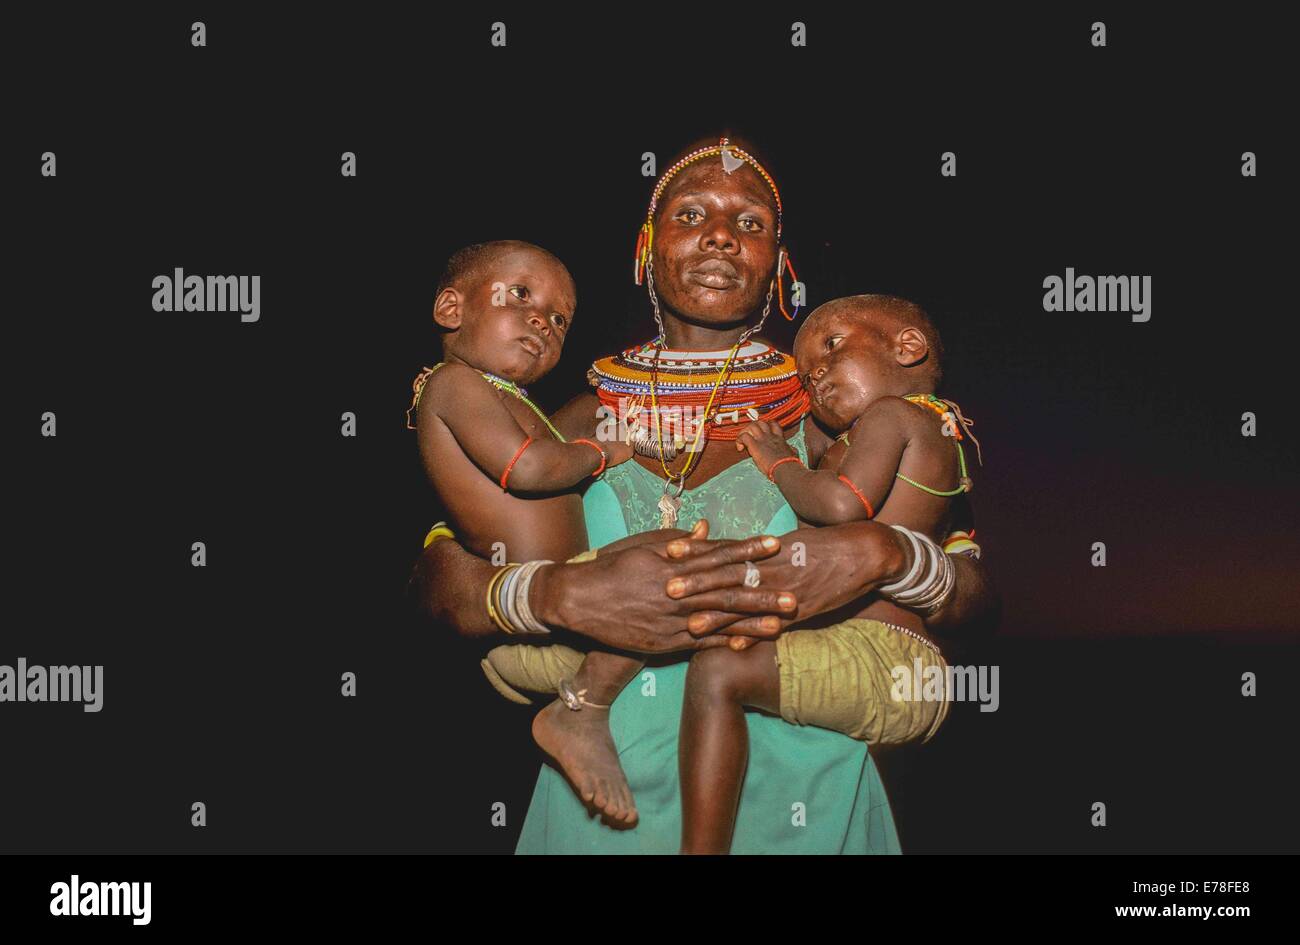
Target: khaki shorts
(859,677)
(841,678)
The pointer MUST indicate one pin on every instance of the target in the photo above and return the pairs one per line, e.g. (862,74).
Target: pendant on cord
(669,506)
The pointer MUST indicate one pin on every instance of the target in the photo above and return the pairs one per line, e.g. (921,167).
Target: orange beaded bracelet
(861,498)
(596,446)
(784,459)
(528,441)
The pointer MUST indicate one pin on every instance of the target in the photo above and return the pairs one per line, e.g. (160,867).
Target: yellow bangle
(491,598)
(439,531)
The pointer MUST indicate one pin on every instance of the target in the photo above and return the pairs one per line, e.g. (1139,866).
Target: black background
(1118,684)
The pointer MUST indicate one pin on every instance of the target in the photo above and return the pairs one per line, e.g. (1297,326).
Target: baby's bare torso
(487,520)
(906,506)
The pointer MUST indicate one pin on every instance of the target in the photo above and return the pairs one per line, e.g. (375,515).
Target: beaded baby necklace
(954,422)
(510,387)
(500,383)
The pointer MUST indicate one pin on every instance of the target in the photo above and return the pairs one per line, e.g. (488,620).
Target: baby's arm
(822,496)
(491,437)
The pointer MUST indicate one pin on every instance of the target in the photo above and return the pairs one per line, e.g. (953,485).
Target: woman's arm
(616,599)
(826,568)
(578,417)
(449,586)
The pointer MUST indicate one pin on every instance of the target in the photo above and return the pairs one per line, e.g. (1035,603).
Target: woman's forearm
(450,587)
(826,568)
(971,608)
(617,599)
(830,567)
(973,605)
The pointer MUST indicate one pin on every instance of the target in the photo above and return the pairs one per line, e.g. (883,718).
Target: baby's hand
(766,443)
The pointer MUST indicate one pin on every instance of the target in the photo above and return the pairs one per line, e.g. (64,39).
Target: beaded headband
(732,158)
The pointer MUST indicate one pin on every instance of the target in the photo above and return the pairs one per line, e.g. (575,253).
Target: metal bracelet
(927,594)
(913,571)
(520,605)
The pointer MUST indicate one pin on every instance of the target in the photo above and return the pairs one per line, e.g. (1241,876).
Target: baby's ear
(447,309)
(912,347)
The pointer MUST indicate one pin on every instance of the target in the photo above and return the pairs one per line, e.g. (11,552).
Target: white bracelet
(519,589)
(505,598)
(912,573)
(938,591)
(920,588)
(923,595)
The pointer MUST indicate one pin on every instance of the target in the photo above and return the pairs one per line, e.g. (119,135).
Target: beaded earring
(794,281)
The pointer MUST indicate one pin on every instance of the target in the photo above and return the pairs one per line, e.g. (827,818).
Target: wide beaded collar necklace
(668,398)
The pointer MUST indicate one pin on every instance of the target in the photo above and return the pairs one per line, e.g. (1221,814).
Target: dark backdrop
(1119,684)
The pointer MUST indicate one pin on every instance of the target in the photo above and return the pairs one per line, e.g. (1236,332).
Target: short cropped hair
(467,264)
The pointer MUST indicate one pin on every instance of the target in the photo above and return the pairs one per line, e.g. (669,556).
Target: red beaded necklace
(757,383)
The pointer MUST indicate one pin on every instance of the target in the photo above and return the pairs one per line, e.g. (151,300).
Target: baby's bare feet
(582,745)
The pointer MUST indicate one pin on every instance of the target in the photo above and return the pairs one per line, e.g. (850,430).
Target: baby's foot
(582,745)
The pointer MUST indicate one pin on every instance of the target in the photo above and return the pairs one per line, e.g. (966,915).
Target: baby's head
(505,307)
(853,351)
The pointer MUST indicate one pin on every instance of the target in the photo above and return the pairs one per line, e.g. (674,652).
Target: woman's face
(715,243)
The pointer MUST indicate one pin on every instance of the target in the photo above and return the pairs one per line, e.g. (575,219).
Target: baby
(872,364)
(507,477)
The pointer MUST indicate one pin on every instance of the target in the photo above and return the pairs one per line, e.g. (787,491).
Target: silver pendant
(642,439)
(668,506)
(644,442)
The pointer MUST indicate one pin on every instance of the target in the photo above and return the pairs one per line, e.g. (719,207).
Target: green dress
(807,790)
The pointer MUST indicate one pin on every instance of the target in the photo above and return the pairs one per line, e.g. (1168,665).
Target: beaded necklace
(954,422)
(726,390)
(679,478)
(500,383)
(757,382)
(510,387)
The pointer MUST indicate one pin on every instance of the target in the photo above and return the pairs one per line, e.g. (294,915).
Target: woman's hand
(822,568)
(618,599)
(701,531)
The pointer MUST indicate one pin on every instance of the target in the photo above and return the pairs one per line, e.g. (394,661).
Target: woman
(710,256)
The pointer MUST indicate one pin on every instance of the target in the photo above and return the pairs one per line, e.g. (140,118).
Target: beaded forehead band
(732,158)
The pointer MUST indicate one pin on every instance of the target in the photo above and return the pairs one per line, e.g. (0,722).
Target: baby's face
(845,361)
(517,316)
